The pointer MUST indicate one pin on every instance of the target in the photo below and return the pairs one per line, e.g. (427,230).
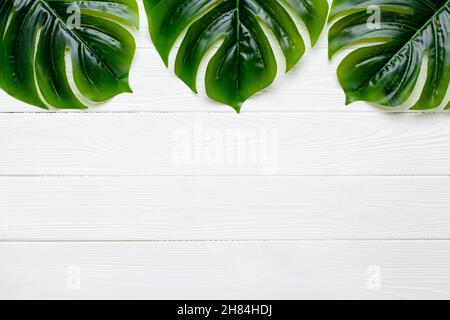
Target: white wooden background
(353,203)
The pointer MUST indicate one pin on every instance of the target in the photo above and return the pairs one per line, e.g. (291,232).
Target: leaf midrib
(55,14)
(418,32)
(238,46)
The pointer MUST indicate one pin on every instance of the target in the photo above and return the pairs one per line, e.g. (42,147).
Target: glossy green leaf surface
(245,63)
(66,54)
(386,70)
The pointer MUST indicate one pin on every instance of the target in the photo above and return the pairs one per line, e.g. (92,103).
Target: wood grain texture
(158,89)
(345,202)
(311,87)
(224,208)
(224,270)
(224,144)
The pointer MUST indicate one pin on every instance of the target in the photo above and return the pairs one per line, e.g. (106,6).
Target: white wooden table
(163,194)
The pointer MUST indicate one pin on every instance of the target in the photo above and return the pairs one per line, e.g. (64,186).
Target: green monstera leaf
(66,54)
(244,63)
(399,34)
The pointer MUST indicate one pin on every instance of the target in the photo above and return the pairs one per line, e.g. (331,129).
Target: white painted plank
(219,208)
(312,86)
(224,144)
(157,89)
(226,270)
